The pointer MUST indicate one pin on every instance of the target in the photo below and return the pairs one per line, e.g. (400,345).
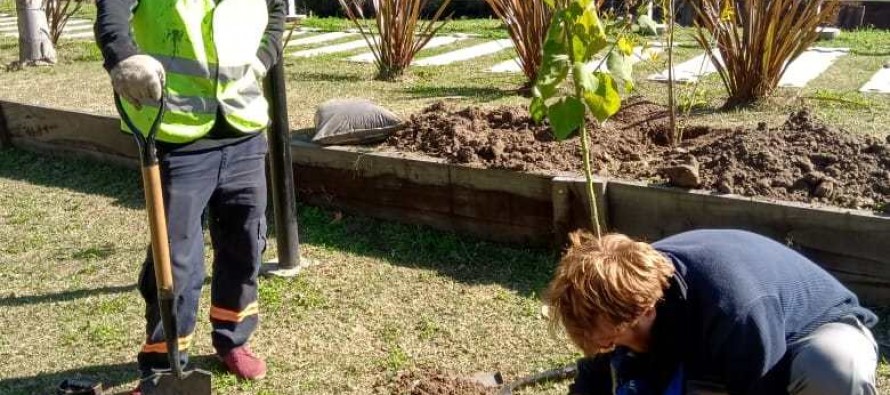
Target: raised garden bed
(531,207)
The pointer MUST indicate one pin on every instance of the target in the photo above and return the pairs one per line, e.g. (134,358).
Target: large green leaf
(566,115)
(580,46)
(588,29)
(555,61)
(600,92)
(621,67)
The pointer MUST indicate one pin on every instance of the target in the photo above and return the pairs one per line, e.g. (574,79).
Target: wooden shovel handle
(157,222)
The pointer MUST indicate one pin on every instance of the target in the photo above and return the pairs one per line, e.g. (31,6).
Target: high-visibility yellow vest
(209,55)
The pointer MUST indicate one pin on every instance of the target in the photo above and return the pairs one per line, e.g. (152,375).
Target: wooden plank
(869,291)
(533,186)
(484,230)
(851,265)
(562,212)
(851,241)
(499,207)
(58,131)
(54,149)
(579,210)
(420,169)
(456,200)
(493,215)
(337,184)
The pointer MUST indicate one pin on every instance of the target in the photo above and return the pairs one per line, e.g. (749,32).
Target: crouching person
(709,312)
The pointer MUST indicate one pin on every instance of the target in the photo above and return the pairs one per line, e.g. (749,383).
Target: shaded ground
(801,160)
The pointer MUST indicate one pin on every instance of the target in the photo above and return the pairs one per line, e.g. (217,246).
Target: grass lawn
(385,298)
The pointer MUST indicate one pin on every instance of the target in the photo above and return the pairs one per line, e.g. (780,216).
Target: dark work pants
(230,183)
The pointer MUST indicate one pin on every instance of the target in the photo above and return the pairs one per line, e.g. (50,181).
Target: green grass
(384,298)
(866,42)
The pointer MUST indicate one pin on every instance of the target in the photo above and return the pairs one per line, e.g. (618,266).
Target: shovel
(176,382)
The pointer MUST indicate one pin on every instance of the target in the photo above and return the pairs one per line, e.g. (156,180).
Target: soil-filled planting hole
(802,160)
(431,382)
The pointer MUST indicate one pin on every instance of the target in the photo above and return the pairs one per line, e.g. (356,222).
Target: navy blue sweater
(735,304)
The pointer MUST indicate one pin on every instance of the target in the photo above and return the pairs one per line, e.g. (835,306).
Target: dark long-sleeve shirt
(113,36)
(735,304)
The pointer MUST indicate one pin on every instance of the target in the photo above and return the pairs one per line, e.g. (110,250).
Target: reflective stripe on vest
(208,53)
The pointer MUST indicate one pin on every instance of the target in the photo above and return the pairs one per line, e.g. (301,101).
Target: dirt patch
(802,160)
(431,382)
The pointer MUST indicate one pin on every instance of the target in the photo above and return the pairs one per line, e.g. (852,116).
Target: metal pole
(282,177)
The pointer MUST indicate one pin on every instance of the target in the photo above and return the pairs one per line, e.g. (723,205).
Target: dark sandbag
(341,122)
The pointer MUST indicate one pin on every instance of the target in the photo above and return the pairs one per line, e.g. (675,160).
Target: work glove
(139,79)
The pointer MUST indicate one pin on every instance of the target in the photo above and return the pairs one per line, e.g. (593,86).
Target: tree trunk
(35,43)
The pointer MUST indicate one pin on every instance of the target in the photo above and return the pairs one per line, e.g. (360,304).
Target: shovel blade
(193,382)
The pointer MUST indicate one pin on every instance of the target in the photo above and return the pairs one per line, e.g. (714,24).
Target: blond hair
(608,281)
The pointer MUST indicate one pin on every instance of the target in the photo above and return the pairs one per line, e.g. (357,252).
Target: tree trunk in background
(35,44)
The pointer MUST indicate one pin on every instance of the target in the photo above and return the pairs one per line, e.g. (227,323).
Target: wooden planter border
(528,208)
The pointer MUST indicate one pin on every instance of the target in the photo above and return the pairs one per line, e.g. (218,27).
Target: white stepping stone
(78,28)
(6,22)
(640,54)
(507,66)
(879,83)
(475,51)
(74,35)
(13,21)
(88,34)
(809,65)
(299,33)
(688,71)
(434,42)
(828,33)
(347,46)
(319,38)
(70,25)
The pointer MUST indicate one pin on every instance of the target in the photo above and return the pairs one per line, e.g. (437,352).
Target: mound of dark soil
(431,382)
(803,160)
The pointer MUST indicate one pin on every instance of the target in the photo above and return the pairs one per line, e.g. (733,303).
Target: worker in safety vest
(709,312)
(208,58)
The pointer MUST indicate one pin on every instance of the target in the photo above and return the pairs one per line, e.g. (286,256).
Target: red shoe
(244,364)
(136,391)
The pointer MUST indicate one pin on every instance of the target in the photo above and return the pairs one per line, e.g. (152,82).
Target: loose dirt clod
(802,160)
(431,382)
